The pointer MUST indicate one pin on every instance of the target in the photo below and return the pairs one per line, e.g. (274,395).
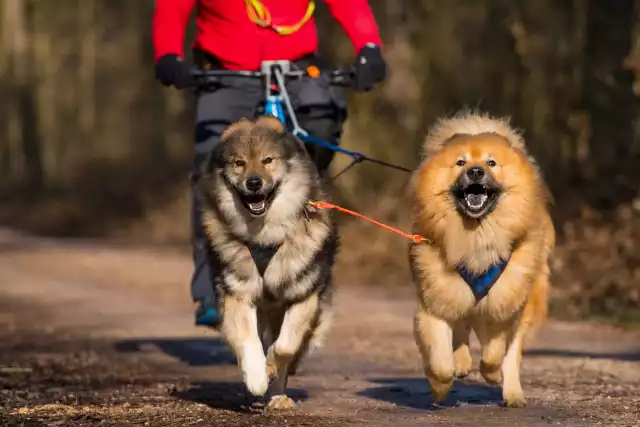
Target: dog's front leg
(534,311)
(296,324)
(240,327)
(434,337)
(512,393)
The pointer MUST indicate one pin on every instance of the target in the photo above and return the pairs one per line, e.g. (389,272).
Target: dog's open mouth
(476,195)
(257,204)
(476,200)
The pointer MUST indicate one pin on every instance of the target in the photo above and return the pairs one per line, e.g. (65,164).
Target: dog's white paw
(254,372)
(257,382)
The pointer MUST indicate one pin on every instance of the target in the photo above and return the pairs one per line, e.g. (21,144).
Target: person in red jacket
(239,35)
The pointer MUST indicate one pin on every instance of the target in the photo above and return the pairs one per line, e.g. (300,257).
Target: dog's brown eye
(267,160)
(491,163)
(460,162)
(239,163)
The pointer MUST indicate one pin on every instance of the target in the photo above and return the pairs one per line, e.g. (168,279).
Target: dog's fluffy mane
(497,231)
(473,122)
(469,122)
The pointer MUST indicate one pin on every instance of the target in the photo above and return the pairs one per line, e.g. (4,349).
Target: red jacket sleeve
(357,20)
(169,24)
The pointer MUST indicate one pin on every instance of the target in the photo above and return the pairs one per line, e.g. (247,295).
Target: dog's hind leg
(269,321)
(461,354)
(434,338)
(317,334)
(240,328)
(493,339)
(297,322)
(293,365)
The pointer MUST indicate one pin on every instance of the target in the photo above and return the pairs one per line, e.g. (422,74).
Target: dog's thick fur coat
(271,256)
(517,228)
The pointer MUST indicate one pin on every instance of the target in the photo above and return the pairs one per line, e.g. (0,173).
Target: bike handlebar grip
(343,76)
(340,76)
(204,77)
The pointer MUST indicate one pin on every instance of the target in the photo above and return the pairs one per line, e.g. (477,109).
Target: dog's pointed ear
(293,145)
(241,124)
(271,122)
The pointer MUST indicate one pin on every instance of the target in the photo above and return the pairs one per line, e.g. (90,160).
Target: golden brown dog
(481,201)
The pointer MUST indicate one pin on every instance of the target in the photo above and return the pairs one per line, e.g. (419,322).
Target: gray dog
(272,252)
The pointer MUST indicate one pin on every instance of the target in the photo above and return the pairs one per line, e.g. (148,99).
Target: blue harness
(481,284)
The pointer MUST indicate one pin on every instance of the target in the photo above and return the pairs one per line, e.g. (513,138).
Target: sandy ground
(92,334)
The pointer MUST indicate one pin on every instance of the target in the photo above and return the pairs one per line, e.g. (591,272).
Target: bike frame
(277,100)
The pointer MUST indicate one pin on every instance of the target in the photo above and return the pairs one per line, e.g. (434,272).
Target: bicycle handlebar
(342,76)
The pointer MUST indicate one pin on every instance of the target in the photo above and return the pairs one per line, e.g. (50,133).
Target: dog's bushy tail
(536,310)
(537,307)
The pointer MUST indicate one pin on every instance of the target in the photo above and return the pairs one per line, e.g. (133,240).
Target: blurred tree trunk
(608,88)
(14,43)
(25,123)
(6,155)
(86,28)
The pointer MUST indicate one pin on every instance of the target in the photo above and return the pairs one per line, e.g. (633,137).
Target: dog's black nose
(253,183)
(475,173)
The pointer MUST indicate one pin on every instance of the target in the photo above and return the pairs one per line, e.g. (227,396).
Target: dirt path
(96,335)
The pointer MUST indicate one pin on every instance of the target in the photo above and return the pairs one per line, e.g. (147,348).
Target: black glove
(172,71)
(370,68)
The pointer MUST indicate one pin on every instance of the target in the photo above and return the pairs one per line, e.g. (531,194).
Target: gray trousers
(321,110)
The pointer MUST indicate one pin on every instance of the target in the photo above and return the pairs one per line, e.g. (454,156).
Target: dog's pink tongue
(475,200)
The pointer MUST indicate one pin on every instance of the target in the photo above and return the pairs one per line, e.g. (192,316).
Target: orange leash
(416,238)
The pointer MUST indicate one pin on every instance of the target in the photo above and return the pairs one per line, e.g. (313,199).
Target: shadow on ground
(18,421)
(633,356)
(414,393)
(228,395)
(191,352)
